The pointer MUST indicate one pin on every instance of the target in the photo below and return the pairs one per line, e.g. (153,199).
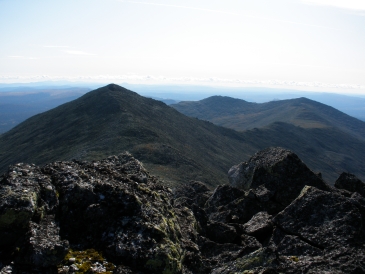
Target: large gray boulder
(275,174)
(326,220)
(350,182)
(111,216)
(113,206)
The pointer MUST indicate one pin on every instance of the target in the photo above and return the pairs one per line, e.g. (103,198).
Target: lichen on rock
(112,216)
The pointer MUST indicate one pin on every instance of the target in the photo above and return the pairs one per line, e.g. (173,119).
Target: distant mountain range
(111,120)
(241,115)
(325,138)
(19,103)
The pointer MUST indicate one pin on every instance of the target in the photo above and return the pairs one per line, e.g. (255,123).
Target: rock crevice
(112,216)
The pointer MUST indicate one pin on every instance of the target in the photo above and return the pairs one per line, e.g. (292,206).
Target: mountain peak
(115,87)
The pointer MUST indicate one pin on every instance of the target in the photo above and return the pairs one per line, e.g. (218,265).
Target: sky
(296,44)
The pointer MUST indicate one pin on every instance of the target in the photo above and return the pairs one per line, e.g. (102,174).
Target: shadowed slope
(241,115)
(111,120)
(326,150)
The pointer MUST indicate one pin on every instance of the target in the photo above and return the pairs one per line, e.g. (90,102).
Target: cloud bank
(212,81)
(78,52)
(22,57)
(345,4)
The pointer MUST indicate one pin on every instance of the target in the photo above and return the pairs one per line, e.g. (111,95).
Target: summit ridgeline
(176,148)
(112,216)
(111,120)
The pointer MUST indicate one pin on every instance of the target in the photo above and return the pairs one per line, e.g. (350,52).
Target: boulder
(44,247)
(111,216)
(260,226)
(275,174)
(238,211)
(323,219)
(294,246)
(192,193)
(221,196)
(222,233)
(112,205)
(350,183)
(25,194)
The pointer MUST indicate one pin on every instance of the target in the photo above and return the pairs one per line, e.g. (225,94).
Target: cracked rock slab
(44,247)
(321,218)
(279,172)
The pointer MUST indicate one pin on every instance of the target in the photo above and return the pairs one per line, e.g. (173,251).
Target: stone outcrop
(274,174)
(351,183)
(111,216)
(112,206)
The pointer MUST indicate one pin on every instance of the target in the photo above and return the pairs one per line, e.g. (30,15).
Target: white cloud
(177,6)
(52,46)
(78,52)
(345,4)
(22,57)
(151,79)
(234,13)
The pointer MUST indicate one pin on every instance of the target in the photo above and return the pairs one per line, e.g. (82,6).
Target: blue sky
(303,44)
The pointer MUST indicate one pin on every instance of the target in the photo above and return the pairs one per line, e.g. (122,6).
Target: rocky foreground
(111,216)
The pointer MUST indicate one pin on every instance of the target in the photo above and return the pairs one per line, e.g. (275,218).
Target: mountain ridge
(111,120)
(114,119)
(241,115)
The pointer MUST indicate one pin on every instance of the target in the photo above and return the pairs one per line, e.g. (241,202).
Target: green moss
(255,259)
(12,216)
(84,260)
(84,267)
(19,216)
(138,200)
(168,260)
(109,267)
(143,189)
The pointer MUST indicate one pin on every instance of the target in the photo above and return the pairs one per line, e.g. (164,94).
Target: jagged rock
(112,216)
(25,195)
(222,195)
(350,183)
(44,248)
(239,210)
(260,226)
(231,205)
(359,202)
(112,205)
(262,260)
(192,193)
(215,254)
(323,219)
(249,244)
(293,246)
(275,173)
(201,219)
(222,233)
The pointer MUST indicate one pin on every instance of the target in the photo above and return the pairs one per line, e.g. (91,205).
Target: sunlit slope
(241,115)
(111,120)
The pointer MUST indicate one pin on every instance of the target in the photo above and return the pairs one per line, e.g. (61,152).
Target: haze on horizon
(302,44)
